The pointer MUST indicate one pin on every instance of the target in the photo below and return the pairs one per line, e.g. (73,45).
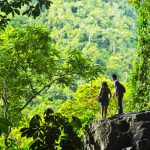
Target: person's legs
(102,112)
(105,109)
(120,108)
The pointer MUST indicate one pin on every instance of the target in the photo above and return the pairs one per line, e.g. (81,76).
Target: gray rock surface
(130,131)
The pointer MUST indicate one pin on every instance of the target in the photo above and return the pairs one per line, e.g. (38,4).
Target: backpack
(121,88)
(100,97)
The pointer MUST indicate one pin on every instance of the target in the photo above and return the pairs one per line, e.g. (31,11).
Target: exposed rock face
(129,131)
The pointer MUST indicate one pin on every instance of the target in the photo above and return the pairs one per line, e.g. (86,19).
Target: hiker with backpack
(103,98)
(120,90)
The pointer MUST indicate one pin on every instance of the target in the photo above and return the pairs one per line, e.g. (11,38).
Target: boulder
(130,131)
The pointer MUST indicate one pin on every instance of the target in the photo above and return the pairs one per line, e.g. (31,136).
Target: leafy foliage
(55,131)
(30,64)
(13,7)
(140,77)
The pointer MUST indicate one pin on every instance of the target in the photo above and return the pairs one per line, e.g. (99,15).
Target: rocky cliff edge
(130,131)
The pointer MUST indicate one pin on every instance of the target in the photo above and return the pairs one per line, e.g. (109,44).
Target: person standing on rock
(103,98)
(120,90)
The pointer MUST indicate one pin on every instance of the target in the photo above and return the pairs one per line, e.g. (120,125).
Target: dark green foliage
(4,125)
(13,7)
(55,131)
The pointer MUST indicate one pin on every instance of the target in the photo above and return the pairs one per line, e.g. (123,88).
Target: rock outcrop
(129,131)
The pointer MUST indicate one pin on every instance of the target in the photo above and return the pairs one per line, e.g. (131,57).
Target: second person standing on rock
(103,98)
(120,90)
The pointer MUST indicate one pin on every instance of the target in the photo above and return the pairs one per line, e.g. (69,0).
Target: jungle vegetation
(55,56)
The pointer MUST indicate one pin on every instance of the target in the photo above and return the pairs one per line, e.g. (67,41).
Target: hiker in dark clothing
(120,90)
(104,96)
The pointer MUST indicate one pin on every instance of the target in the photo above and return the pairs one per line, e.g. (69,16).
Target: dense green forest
(54,59)
(104,31)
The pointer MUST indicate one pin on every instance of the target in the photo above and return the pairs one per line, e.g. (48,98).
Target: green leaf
(41,135)
(31,132)
(35,135)
(5,121)
(48,111)
(26,12)
(36,144)
(23,129)
(4,125)
(23,134)
(17,11)
(76,123)
(35,121)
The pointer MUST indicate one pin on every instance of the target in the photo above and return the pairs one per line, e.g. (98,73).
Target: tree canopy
(32,8)
(30,64)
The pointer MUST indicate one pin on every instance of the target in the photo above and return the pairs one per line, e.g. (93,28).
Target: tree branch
(33,96)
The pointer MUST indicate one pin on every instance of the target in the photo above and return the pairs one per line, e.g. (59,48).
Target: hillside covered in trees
(104,31)
(53,61)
